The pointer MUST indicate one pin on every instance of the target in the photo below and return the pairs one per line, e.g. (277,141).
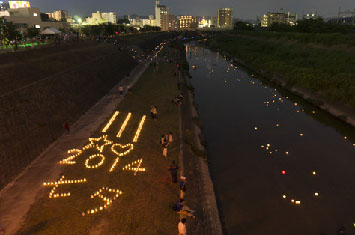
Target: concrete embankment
(201,194)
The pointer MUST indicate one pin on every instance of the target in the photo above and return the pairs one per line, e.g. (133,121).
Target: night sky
(244,9)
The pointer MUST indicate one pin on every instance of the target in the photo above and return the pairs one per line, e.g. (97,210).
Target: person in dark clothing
(173,170)
(66,127)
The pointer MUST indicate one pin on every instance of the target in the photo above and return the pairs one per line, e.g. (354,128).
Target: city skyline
(244,9)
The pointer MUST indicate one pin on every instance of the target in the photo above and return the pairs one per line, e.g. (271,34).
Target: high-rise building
(278,17)
(109,17)
(224,18)
(187,22)
(161,16)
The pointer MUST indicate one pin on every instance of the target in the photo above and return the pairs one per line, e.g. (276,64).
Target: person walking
(182,227)
(182,186)
(173,171)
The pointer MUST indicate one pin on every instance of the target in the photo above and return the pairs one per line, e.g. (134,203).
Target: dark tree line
(303,26)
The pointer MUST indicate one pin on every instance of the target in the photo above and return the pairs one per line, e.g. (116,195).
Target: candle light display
(56,184)
(68,161)
(129,167)
(123,126)
(110,121)
(120,154)
(94,142)
(96,165)
(139,129)
(108,201)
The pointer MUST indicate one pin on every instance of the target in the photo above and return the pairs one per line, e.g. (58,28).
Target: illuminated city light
(316,194)
(129,167)
(123,127)
(136,136)
(108,201)
(286,153)
(96,165)
(110,121)
(283,172)
(256,128)
(298,202)
(301,134)
(284,196)
(314,173)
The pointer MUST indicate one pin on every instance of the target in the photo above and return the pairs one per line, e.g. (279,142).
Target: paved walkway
(17,197)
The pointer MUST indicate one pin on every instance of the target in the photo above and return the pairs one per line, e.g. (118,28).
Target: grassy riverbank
(145,205)
(314,66)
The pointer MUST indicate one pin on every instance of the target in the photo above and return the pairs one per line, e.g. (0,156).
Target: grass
(325,71)
(145,205)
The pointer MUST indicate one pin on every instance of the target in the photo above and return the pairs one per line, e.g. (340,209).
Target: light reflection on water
(269,151)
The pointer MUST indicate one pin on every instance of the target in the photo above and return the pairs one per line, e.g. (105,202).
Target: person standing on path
(182,186)
(182,227)
(162,140)
(170,137)
(66,127)
(155,112)
(121,89)
(152,111)
(173,170)
(165,150)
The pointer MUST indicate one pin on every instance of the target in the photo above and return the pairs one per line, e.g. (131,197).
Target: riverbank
(301,79)
(147,196)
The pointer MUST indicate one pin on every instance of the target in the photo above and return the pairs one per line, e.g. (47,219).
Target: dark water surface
(310,152)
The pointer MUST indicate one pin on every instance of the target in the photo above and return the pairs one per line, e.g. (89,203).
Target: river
(279,165)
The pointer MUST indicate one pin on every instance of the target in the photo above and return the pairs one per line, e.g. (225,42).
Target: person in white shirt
(182,227)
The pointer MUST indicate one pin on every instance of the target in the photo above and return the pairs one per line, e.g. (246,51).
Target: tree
(240,25)
(32,32)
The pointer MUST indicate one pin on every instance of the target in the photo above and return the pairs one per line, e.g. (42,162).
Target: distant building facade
(31,18)
(225,18)
(61,15)
(187,22)
(278,17)
(97,18)
(109,17)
